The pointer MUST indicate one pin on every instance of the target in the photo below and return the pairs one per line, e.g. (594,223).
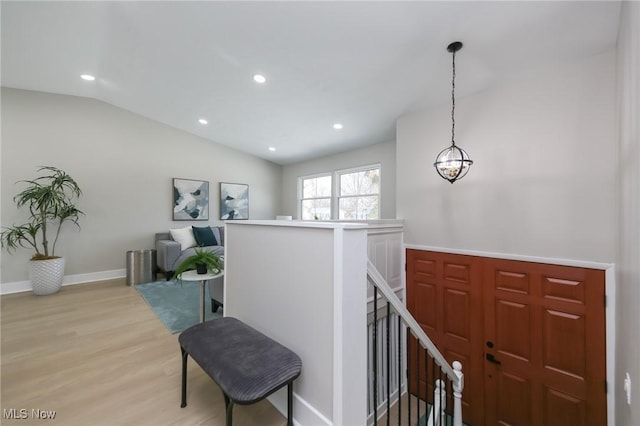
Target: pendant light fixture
(453,163)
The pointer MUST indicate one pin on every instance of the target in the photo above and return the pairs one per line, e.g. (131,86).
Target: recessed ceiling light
(203,121)
(337,126)
(272,149)
(87,77)
(259,78)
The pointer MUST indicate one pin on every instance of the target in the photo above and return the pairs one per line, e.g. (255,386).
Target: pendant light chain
(453,163)
(453,101)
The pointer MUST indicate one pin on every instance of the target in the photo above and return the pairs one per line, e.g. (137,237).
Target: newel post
(457,394)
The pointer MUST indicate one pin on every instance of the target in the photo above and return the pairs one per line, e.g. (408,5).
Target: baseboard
(303,412)
(22,286)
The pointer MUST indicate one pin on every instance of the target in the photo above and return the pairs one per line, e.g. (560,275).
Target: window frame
(335,190)
(335,213)
(301,198)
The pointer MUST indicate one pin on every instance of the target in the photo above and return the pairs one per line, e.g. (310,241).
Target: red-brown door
(530,336)
(544,332)
(445,297)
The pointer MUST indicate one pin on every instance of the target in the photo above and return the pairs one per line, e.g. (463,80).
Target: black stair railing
(397,344)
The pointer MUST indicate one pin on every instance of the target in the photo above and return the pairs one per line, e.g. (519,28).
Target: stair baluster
(446,375)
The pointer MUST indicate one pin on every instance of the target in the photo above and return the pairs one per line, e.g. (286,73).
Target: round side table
(203,278)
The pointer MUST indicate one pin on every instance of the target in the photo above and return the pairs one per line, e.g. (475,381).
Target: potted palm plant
(50,199)
(202,261)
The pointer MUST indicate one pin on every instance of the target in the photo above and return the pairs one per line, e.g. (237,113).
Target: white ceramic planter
(46,275)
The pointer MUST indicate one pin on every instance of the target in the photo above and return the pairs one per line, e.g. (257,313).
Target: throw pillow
(204,236)
(219,236)
(184,236)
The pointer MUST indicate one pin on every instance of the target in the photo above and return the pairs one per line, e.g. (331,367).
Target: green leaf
(212,261)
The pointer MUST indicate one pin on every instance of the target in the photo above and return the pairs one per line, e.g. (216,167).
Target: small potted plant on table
(202,261)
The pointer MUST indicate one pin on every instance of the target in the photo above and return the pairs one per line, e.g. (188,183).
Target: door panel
(530,336)
(547,325)
(425,312)
(562,331)
(456,321)
(514,399)
(444,295)
(563,409)
(514,343)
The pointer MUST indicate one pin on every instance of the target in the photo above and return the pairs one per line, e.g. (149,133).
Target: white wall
(542,182)
(628,250)
(124,163)
(304,285)
(382,153)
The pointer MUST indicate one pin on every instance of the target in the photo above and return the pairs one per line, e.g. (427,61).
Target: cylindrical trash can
(141,266)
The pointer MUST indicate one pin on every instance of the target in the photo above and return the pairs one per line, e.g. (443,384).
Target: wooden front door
(544,332)
(530,336)
(445,297)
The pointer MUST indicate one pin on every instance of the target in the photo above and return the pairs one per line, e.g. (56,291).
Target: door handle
(492,359)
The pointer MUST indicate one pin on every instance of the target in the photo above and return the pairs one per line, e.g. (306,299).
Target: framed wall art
(234,201)
(190,199)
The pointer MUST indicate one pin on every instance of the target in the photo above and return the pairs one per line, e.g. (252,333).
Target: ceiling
(362,64)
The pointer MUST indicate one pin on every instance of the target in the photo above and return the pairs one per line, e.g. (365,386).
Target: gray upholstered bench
(247,365)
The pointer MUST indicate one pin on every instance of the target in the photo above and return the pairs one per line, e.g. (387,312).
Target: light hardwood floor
(97,355)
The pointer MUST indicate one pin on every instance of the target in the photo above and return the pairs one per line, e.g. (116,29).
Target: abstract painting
(234,201)
(190,199)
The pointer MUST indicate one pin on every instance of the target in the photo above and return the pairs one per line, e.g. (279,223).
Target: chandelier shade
(453,163)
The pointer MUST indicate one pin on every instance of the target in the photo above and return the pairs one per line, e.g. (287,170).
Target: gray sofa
(170,255)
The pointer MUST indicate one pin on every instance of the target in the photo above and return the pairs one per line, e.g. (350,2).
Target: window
(316,198)
(352,194)
(359,194)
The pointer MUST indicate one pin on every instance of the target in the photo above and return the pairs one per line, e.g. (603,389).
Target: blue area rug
(177,304)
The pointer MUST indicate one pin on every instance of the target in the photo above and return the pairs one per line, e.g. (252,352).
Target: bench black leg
(229,410)
(226,401)
(184,377)
(290,404)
